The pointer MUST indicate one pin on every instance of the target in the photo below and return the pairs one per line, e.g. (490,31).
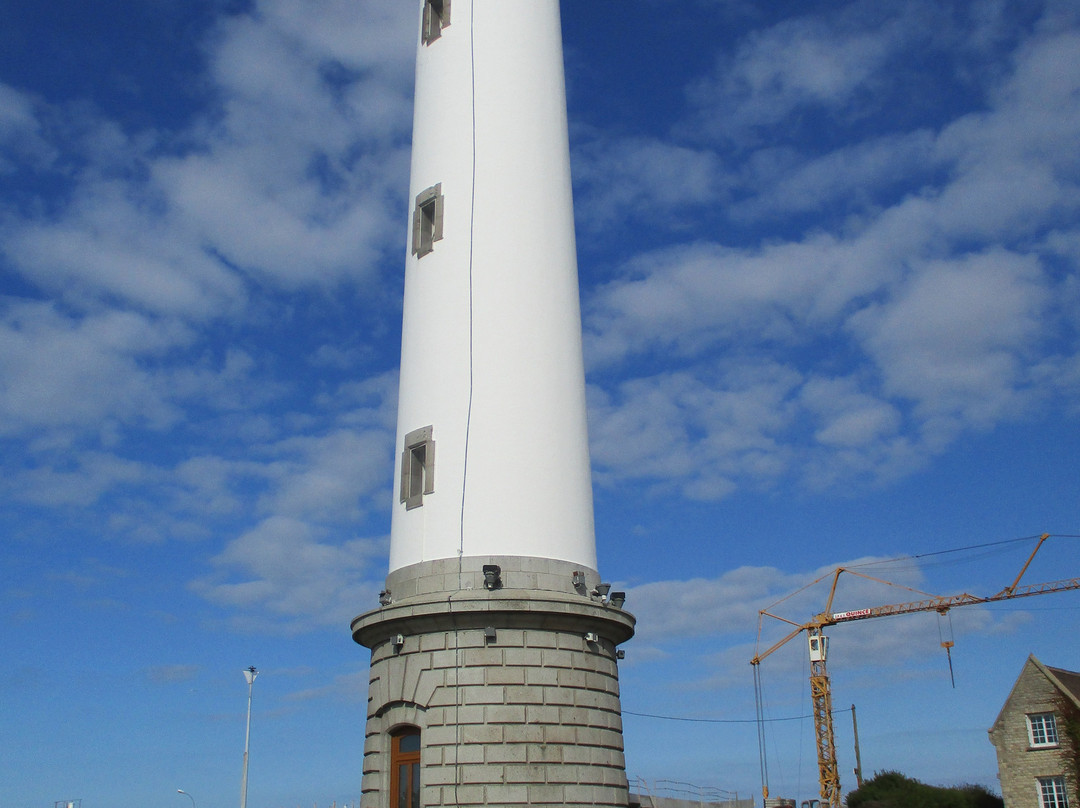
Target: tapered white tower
(493,667)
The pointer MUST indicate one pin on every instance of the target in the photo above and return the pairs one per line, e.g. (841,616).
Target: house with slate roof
(1037,758)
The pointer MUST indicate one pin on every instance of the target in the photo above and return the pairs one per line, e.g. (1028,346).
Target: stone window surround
(1042,730)
(1052,792)
(436,17)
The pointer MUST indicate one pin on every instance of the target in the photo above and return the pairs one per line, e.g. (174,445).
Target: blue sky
(829,263)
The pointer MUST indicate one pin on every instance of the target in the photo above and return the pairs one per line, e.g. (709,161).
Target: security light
(492,576)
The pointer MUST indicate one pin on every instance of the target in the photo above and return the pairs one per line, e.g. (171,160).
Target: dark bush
(894,790)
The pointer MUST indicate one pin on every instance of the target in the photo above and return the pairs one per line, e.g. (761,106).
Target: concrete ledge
(511,609)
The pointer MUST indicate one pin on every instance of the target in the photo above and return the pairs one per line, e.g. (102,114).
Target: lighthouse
(494,677)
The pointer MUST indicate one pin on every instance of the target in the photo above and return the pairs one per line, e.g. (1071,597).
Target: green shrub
(894,790)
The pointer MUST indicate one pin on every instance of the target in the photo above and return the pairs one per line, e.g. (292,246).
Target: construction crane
(818,643)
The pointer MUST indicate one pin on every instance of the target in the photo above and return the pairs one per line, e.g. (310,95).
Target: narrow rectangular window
(436,17)
(417,468)
(427,220)
(405,768)
(1042,729)
(1052,793)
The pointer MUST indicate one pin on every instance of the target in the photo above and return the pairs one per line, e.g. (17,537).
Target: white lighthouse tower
(493,653)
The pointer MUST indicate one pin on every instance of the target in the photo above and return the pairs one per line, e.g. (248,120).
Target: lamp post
(181,791)
(250,675)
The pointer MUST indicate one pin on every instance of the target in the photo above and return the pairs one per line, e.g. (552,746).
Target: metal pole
(250,675)
(858,757)
(181,791)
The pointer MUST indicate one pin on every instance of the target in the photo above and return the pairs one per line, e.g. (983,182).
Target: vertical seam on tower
(468,412)
(472,230)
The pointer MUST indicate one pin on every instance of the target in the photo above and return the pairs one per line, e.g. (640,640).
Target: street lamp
(181,791)
(250,675)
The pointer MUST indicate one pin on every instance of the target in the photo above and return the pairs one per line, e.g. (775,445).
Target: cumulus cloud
(934,304)
(830,62)
(753,612)
(283,573)
(156,289)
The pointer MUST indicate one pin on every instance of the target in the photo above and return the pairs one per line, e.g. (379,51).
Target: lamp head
(492,576)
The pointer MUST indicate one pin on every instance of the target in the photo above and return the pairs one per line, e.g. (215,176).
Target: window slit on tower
(427,220)
(417,468)
(436,17)
(405,768)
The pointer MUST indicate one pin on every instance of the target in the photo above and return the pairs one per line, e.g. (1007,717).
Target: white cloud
(644,178)
(812,61)
(283,573)
(702,436)
(75,373)
(21,137)
(922,314)
(955,335)
(328,476)
(715,621)
(80,482)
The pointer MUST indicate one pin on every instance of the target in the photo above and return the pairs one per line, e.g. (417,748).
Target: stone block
(444,659)
(505,676)
(433,642)
(509,637)
(523,694)
(483,694)
(465,753)
(482,734)
(526,773)
(468,714)
(426,685)
(546,714)
(576,774)
(559,695)
(557,659)
(540,639)
(483,657)
(443,697)
(523,733)
(560,735)
(458,677)
(506,795)
(506,753)
(522,657)
(440,736)
(544,753)
(546,795)
(505,714)
(464,795)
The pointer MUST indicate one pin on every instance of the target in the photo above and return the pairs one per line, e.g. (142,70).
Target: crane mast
(818,644)
(821,695)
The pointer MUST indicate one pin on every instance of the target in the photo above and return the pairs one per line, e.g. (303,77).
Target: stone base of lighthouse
(512,684)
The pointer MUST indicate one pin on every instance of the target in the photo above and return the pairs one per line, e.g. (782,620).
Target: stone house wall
(1019,764)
